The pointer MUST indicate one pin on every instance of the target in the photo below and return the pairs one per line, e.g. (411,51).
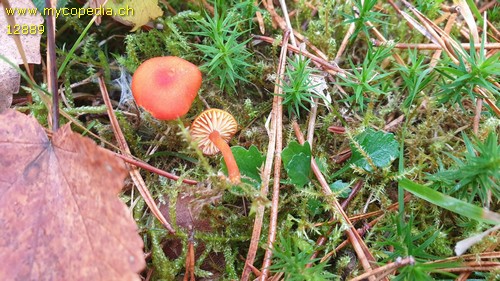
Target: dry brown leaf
(133,13)
(60,216)
(9,84)
(9,78)
(469,19)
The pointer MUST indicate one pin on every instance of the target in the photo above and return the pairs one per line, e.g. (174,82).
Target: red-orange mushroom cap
(166,86)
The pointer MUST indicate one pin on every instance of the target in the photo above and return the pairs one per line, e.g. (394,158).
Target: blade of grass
(474,10)
(75,46)
(466,8)
(450,203)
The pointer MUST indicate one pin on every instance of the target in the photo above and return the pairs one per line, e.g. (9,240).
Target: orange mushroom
(212,130)
(166,86)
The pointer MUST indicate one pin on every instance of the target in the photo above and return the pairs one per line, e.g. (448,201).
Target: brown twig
(345,41)
(134,172)
(205,4)
(488,5)
(355,190)
(260,19)
(52,65)
(362,251)
(450,9)
(473,266)
(477,115)
(464,275)
(386,269)
(266,174)
(322,239)
(273,220)
(442,38)
(494,30)
(468,257)
(482,94)
(431,46)
(325,64)
(447,30)
(362,230)
(152,169)
(382,38)
(169,7)
(283,26)
(479,100)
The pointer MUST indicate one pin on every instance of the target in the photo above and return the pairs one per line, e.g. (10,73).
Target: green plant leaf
(297,161)
(379,149)
(475,173)
(293,149)
(340,188)
(450,203)
(249,162)
(298,169)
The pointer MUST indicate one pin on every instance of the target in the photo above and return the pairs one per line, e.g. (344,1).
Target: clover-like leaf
(249,162)
(297,162)
(60,216)
(379,149)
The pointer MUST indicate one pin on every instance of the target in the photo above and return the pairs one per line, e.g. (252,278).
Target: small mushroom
(212,130)
(166,86)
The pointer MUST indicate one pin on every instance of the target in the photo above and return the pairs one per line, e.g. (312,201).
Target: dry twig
(362,251)
(266,174)
(134,172)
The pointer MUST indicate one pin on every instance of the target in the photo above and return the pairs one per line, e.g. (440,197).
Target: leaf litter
(9,77)
(61,217)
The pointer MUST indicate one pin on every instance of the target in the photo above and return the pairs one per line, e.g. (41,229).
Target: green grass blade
(450,203)
(73,49)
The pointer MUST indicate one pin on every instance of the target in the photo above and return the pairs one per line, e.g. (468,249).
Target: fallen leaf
(9,84)
(60,215)
(40,4)
(9,78)
(135,13)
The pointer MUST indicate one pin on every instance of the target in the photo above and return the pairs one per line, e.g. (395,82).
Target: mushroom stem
(232,167)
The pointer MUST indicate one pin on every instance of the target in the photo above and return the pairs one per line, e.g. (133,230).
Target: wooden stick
(273,220)
(152,169)
(386,269)
(362,251)
(430,46)
(134,172)
(266,174)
